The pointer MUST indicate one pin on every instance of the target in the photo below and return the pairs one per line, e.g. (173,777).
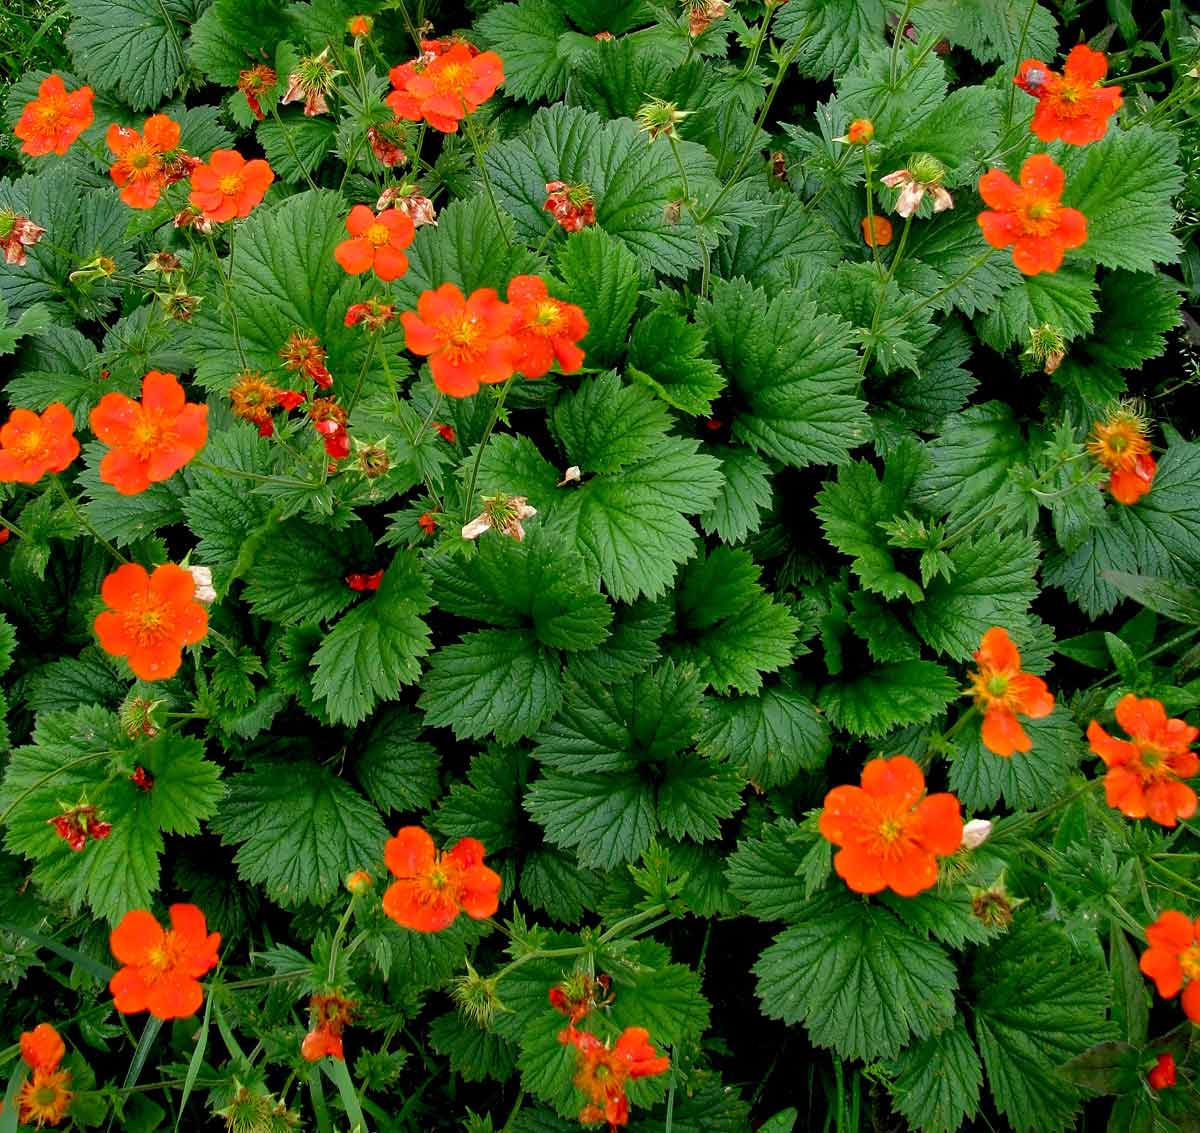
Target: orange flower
(45,1098)
(1002,691)
(434,888)
(304,354)
(150,618)
(162,967)
(877,231)
(1173,959)
(138,170)
(151,439)
(376,242)
(229,185)
(468,341)
(1162,1074)
(451,85)
(359,26)
(1029,216)
(861,131)
(1121,444)
(253,398)
(1072,106)
(1144,772)
(545,330)
(42,1048)
(53,120)
(254,84)
(890,836)
(31,446)
(330,1016)
(603,1071)
(320,1043)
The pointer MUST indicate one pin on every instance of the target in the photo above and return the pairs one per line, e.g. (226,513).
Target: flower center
(32,445)
(142,160)
(437,878)
(147,625)
(1039,215)
(378,235)
(1189,961)
(150,433)
(231,184)
(461,336)
(50,112)
(166,956)
(452,78)
(997,685)
(548,319)
(888,835)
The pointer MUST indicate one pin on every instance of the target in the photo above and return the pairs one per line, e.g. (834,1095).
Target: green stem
(898,39)
(958,725)
(1138,74)
(226,287)
(12,527)
(624,925)
(976,264)
(470,497)
(68,766)
(473,138)
(86,523)
(871,211)
(284,481)
(362,374)
(287,141)
(1012,89)
(756,47)
(337,939)
(705,254)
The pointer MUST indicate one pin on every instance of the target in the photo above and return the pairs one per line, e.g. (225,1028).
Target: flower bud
(206,594)
(359,882)
(102,267)
(975,833)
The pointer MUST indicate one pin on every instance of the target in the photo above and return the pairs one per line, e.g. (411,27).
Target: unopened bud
(975,833)
(571,476)
(206,593)
(359,882)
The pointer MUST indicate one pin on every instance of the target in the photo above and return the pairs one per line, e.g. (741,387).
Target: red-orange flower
(545,330)
(229,185)
(45,1098)
(150,618)
(467,341)
(373,314)
(42,1048)
(1121,443)
(861,131)
(571,205)
(17,233)
(1162,1074)
(152,439)
(1144,772)
(603,1071)
(1002,692)
(877,231)
(31,446)
(376,242)
(1073,106)
(252,398)
(1028,217)
(890,837)
(53,120)
(304,354)
(254,84)
(330,1016)
(1173,959)
(139,169)
(447,88)
(162,967)
(434,888)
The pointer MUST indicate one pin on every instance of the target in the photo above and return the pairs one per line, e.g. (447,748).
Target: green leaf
(299,830)
(787,235)
(525,35)
(1038,1003)
(992,583)
(1125,184)
(1065,299)
(1131,999)
(968,470)
(632,182)
(232,35)
(541,582)
(852,508)
(991,31)
(70,682)
(133,47)
(770,737)
(606,819)
(832,33)
(396,769)
(767,872)
(666,354)
(474,1053)
(377,646)
(1138,310)
(950,249)
(31,321)
(745,497)
(936,1082)
(860,981)
(1025,780)
(666,997)
(961,132)
(793,372)
(493,681)
(887,697)
(553,881)
(731,630)
(943,913)
(296,144)
(600,274)
(695,796)
(631,648)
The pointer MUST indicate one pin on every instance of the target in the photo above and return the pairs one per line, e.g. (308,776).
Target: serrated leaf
(377,647)
(1025,780)
(788,234)
(950,249)
(793,371)
(1065,299)
(832,32)
(1038,1003)
(133,47)
(1124,184)
(493,681)
(770,737)
(665,996)
(631,647)
(296,144)
(695,796)
(305,860)
(474,1053)
(666,354)
(1137,311)
(859,980)
(731,630)
(525,35)
(232,35)
(766,871)
(888,697)
(991,31)
(600,274)
(397,770)
(936,1081)
(745,496)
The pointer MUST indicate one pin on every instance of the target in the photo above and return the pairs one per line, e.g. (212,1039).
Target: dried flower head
(16,234)
(923,175)
(501,513)
(658,117)
(310,82)
(254,84)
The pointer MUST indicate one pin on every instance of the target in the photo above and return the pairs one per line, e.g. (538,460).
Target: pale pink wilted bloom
(701,13)
(206,593)
(975,833)
(311,81)
(16,234)
(503,514)
(923,175)
(408,199)
(572,476)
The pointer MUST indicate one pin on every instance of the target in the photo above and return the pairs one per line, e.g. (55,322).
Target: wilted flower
(16,234)
(374,314)
(701,13)
(923,175)
(179,304)
(1121,443)
(975,833)
(164,263)
(658,117)
(476,996)
(194,219)
(993,906)
(206,594)
(571,205)
(572,476)
(77,825)
(310,82)
(254,83)
(371,459)
(502,513)
(408,199)
(386,140)
(136,715)
(1047,347)
(254,399)
(304,354)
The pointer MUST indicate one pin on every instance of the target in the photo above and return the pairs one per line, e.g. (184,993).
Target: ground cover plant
(599,564)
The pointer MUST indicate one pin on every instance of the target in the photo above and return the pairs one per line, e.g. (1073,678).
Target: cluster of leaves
(808,476)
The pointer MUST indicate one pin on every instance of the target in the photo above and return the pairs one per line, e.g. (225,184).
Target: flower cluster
(603,1071)
(77,825)
(331,1013)
(449,80)
(147,160)
(255,399)
(1121,444)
